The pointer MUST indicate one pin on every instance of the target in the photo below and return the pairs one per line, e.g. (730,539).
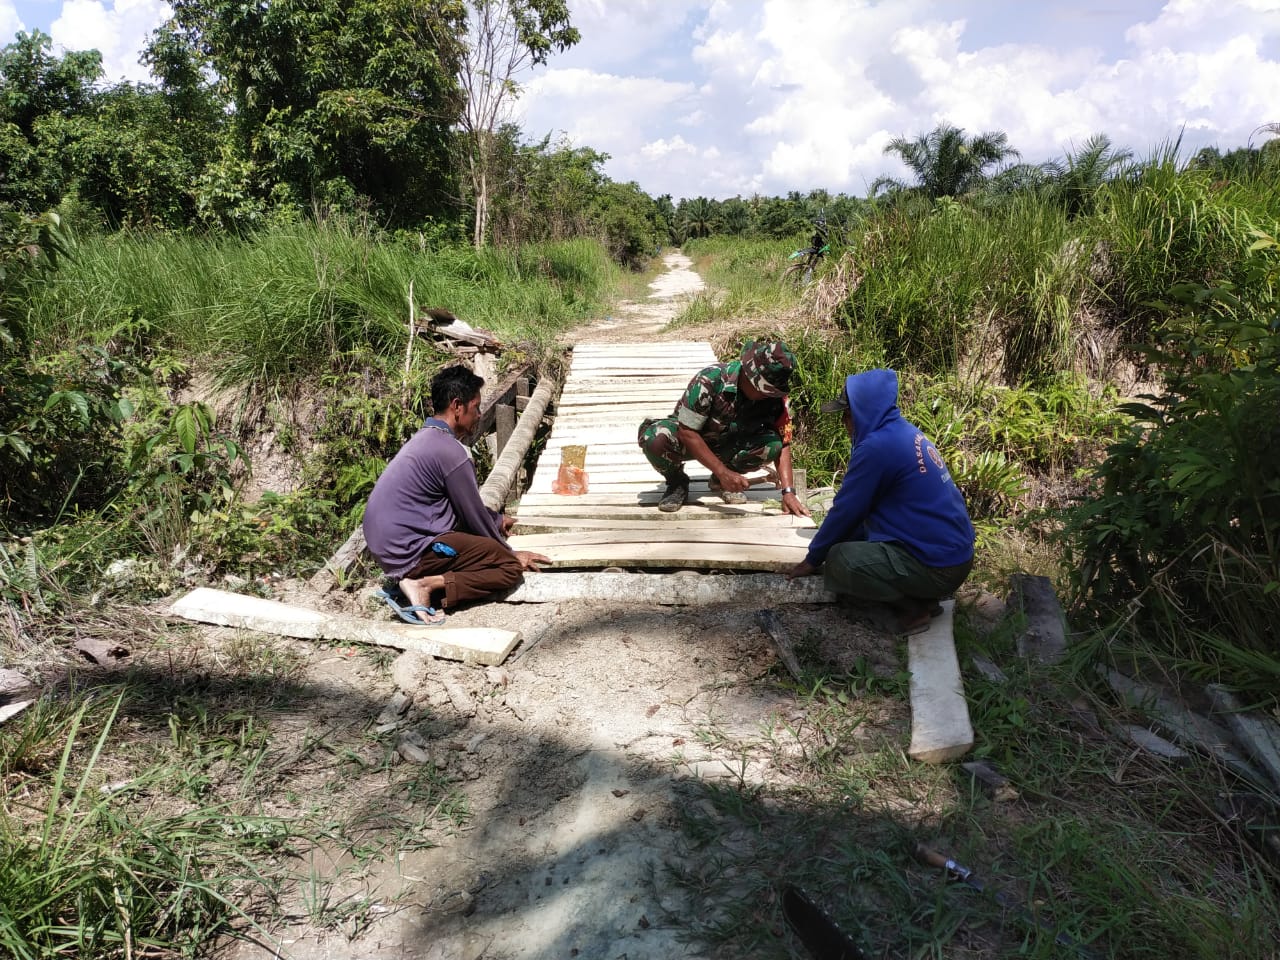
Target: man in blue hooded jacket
(898,531)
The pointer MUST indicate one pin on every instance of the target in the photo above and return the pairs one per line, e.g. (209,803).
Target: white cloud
(10,22)
(717,97)
(659,149)
(119,31)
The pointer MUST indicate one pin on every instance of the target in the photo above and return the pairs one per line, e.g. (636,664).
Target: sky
(723,98)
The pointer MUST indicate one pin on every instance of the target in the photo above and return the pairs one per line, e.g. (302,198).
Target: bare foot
(419,593)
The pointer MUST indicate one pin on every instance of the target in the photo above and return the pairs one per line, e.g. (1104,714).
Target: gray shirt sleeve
(473,516)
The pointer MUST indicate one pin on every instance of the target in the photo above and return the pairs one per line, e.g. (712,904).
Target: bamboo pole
(504,472)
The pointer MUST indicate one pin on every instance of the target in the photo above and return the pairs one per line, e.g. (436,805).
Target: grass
(135,818)
(280,305)
(1113,850)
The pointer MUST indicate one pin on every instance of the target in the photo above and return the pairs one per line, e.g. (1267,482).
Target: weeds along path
(577,769)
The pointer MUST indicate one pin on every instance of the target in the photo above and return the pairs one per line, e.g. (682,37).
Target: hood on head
(872,396)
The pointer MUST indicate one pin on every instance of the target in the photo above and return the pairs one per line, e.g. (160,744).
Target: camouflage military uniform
(744,434)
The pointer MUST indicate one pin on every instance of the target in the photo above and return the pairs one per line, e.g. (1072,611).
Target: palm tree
(1081,174)
(946,162)
(697,216)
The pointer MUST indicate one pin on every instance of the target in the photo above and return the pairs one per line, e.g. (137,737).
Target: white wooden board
(469,644)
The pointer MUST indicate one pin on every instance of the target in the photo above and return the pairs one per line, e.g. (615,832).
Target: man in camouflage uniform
(733,418)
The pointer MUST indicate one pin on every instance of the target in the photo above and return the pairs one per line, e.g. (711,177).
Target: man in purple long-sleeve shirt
(425,523)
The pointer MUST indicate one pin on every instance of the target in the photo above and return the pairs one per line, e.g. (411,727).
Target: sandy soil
(576,759)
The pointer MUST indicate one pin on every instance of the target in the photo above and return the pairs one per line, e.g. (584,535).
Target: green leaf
(186,428)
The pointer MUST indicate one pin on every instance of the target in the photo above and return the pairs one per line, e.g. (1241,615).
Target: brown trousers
(482,566)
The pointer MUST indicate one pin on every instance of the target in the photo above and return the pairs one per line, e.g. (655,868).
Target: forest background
(1092,342)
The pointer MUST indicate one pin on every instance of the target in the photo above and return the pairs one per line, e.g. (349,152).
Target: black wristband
(786,490)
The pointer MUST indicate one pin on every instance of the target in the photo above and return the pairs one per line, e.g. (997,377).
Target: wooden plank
(663,521)
(714,509)
(671,346)
(745,536)
(684,555)
(643,478)
(630,403)
(672,385)
(638,372)
(469,644)
(755,497)
(940,725)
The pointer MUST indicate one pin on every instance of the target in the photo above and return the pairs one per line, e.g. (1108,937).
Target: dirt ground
(577,759)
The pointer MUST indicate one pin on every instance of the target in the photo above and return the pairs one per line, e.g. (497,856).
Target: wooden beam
(469,644)
(690,535)
(504,422)
(726,556)
(503,392)
(940,725)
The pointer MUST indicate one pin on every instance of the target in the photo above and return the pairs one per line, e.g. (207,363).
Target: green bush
(1183,526)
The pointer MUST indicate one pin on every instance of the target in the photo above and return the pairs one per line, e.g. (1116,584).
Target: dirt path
(577,760)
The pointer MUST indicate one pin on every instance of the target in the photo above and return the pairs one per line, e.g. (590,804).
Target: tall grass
(968,289)
(1170,225)
(744,276)
(95,874)
(282,302)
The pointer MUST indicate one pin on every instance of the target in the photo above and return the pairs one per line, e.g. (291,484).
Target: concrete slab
(940,725)
(670,589)
(482,645)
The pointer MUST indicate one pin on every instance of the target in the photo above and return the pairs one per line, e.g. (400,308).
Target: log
(1257,733)
(1045,637)
(503,475)
(1185,725)
(339,565)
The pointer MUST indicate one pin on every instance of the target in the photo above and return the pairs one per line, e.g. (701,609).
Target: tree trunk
(482,208)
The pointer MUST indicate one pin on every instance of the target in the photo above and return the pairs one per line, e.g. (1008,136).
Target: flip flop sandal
(409,612)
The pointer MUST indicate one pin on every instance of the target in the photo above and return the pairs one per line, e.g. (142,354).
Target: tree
(330,97)
(629,221)
(544,192)
(128,160)
(945,162)
(35,85)
(697,217)
(506,36)
(1081,174)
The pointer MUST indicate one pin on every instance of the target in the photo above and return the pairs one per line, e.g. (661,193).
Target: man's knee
(511,572)
(863,570)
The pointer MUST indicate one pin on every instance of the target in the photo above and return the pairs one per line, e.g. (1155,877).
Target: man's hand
(801,569)
(793,505)
(530,560)
(508,523)
(732,481)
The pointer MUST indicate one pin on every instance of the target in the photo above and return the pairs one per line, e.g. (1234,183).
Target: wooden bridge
(610,389)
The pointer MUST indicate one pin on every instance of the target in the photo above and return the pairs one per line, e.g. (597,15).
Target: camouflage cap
(767,365)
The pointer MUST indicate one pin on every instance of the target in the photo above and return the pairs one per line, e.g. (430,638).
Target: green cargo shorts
(887,572)
(740,452)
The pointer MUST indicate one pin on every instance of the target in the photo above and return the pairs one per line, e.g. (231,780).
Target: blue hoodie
(896,488)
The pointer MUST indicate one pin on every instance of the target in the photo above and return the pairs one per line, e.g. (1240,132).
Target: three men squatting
(897,533)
